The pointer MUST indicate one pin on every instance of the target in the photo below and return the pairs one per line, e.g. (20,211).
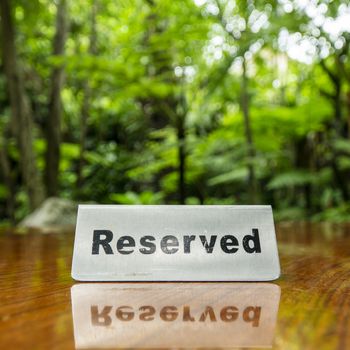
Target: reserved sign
(175,243)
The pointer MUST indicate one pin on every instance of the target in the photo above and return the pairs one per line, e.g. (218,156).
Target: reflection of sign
(174,315)
(171,243)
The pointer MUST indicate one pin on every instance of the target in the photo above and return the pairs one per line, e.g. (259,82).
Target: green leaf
(290,179)
(129,197)
(232,176)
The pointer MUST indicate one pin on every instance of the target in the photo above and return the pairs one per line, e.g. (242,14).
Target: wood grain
(314,309)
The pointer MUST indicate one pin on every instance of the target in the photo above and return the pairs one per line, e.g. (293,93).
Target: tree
(85,108)
(248,13)
(53,130)
(22,123)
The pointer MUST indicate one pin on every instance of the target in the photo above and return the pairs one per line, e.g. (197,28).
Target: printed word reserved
(105,241)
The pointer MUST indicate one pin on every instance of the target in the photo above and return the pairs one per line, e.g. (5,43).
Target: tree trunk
(248,134)
(8,181)
(348,113)
(85,108)
(338,109)
(181,139)
(22,123)
(336,78)
(53,131)
(336,98)
(303,151)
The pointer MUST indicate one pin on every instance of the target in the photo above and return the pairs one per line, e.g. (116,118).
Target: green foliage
(342,145)
(129,197)
(169,74)
(338,214)
(239,174)
(3,192)
(291,179)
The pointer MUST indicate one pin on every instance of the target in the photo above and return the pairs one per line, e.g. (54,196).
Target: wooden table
(313,310)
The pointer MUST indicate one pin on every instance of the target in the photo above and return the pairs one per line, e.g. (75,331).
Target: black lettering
(168,313)
(100,319)
(124,315)
(97,241)
(125,242)
(170,244)
(169,241)
(148,312)
(256,242)
(208,246)
(229,314)
(208,311)
(145,241)
(255,318)
(187,243)
(227,242)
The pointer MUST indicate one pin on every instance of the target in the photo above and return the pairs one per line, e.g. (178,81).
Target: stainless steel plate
(175,243)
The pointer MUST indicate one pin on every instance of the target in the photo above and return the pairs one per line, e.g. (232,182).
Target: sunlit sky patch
(304,48)
(323,34)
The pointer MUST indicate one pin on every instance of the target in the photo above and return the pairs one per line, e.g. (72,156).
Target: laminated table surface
(41,307)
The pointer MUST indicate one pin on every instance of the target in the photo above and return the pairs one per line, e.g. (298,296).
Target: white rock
(53,213)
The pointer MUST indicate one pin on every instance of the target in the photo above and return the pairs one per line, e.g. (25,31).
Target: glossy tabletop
(307,308)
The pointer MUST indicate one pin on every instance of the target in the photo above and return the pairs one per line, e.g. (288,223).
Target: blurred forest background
(187,101)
